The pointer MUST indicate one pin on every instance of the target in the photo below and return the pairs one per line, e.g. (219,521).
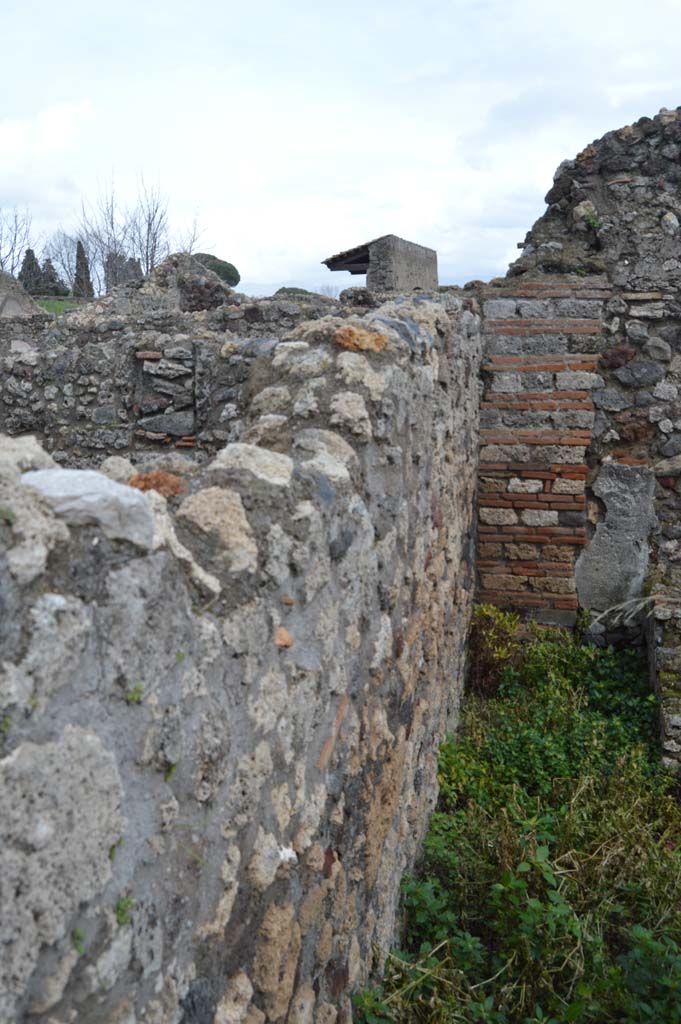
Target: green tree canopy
(30,274)
(50,282)
(226,271)
(82,282)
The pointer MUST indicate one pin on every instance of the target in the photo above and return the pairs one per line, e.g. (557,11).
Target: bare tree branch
(15,238)
(121,243)
(61,249)
(188,240)
(148,227)
(104,230)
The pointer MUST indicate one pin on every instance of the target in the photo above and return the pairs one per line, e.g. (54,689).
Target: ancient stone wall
(221,709)
(536,423)
(610,236)
(106,379)
(223,688)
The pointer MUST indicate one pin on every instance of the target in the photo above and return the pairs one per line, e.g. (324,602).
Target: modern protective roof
(355,260)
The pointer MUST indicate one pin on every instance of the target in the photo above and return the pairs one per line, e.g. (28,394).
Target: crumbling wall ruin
(221,710)
(246,681)
(164,365)
(611,233)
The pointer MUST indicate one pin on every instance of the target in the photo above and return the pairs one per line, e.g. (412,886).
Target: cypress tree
(51,283)
(30,274)
(82,282)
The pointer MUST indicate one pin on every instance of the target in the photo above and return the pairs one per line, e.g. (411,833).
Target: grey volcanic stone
(672,446)
(611,399)
(658,348)
(637,331)
(22,453)
(60,806)
(82,496)
(178,424)
(612,568)
(640,375)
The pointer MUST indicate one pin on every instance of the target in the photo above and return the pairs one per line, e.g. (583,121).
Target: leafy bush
(226,271)
(550,888)
(288,291)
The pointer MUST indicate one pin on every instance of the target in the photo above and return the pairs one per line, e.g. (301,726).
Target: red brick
(563,325)
(570,471)
(513,599)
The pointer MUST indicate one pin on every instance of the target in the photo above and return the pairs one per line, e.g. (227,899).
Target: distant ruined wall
(221,711)
(106,379)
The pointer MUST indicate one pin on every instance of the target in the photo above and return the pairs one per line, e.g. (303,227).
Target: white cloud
(50,131)
(298,130)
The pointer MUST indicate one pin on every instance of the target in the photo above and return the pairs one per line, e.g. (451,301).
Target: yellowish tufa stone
(358,339)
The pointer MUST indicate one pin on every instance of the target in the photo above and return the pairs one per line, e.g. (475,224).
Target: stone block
(665,391)
(498,516)
(491,485)
(553,585)
(499,309)
(612,567)
(84,497)
(557,553)
(668,467)
(636,331)
(18,454)
(525,486)
(177,424)
(506,453)
(611,400)
(540,517)
(267,466)
(166,368)
(490,550)
(578,380)
(658,349)
(507,383)
(220,514)
(522,552)
(640,374)
(60,814)
(561,486)
(534,309)
(503,582)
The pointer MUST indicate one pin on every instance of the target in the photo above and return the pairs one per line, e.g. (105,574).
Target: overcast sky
(298,128)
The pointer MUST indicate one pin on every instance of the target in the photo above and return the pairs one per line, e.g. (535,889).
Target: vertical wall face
(536,423)
(578,499)
(396,265)
(221,712)
(610,400)
(134,378)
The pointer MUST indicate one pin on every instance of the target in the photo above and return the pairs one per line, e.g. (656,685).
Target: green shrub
(290,292)
(226,271)
(550,886)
